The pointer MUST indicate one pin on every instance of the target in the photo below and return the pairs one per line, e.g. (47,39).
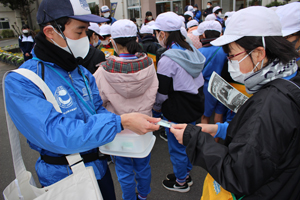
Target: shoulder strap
(13,132)
(212,57)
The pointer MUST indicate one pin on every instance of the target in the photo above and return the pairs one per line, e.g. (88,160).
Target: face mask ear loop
(264,45)
(63,35)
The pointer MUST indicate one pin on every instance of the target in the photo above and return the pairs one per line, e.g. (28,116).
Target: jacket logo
(63,98)
(217,187)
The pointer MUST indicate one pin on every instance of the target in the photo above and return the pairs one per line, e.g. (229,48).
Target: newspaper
(226,93)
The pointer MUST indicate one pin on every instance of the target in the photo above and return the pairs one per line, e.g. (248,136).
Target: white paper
(226,93)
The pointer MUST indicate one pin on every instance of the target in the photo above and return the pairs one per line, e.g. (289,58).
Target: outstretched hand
(139,123)
(178,130)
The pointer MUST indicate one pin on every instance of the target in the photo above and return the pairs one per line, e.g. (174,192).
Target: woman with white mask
(260,158)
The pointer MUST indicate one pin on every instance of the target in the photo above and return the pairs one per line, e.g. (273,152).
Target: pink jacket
(127,92)
(195,38)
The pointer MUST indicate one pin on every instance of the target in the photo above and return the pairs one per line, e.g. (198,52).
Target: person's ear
(49,32)
(221,34)
(203,35)
(258,54)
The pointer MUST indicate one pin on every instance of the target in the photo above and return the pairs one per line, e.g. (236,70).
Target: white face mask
(161,42)
(208,6)
(105,42)
(219,14)
(80,47)
(106,15)
(194,9)
(25,31)
(95,43)
(234,70)
(149,18)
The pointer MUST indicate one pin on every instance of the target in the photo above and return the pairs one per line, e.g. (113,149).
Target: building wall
(12,16)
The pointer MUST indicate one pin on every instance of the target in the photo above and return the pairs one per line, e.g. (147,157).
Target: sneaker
(172,177)
(163,135)
(174,186)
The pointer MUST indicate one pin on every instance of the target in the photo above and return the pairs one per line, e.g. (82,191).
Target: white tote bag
(82,184)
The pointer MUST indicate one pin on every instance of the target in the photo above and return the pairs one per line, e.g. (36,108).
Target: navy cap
(50,10)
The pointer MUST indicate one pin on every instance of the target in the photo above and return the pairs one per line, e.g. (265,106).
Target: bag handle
(13,132)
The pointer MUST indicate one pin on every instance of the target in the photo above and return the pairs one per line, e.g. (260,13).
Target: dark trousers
(106,186)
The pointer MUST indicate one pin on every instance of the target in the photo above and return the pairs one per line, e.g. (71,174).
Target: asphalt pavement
(160,162)
(7,42)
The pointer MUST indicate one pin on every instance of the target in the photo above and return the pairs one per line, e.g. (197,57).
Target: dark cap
(50,10)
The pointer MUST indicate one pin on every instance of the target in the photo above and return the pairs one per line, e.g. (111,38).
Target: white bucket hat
(94,27)
(146,30)
(168,21)
(105,29)
(216,8)
(210,17)
(289,16)
(251,21)
(123,28)
(190,13)
(207,25)
(192,23)
(190,8)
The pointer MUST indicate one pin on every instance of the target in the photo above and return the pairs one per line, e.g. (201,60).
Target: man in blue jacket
(84,123)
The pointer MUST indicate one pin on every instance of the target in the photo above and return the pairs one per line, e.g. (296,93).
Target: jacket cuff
(119,125)
(186,135)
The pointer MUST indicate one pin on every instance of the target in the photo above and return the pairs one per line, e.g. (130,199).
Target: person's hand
(209,128)
(178,130)
(27,54)
(139,123)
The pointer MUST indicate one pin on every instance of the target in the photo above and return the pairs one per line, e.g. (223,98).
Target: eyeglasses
(230,57)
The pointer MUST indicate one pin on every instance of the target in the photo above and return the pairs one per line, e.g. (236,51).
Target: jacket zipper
(77,97)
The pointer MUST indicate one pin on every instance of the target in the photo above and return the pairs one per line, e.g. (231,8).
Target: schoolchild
(179,74)
(128,83)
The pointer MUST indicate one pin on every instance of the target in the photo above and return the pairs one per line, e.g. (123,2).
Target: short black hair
(148,13)
(209,2)
(105,36)
(277,47)
(130,43)
(217,11)
(133,19)
(25,26)
(211,34)
(89,33)
(61,22)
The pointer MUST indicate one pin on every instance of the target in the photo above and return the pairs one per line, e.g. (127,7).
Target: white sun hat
(192,23)
(190,13)
(146,30)
(251,21)
(229,14)
(190,8)
(168,21)
(210,17)
(123,28)
(207,25)
(105,29)
(289,16)
(217,8)
(94,27)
